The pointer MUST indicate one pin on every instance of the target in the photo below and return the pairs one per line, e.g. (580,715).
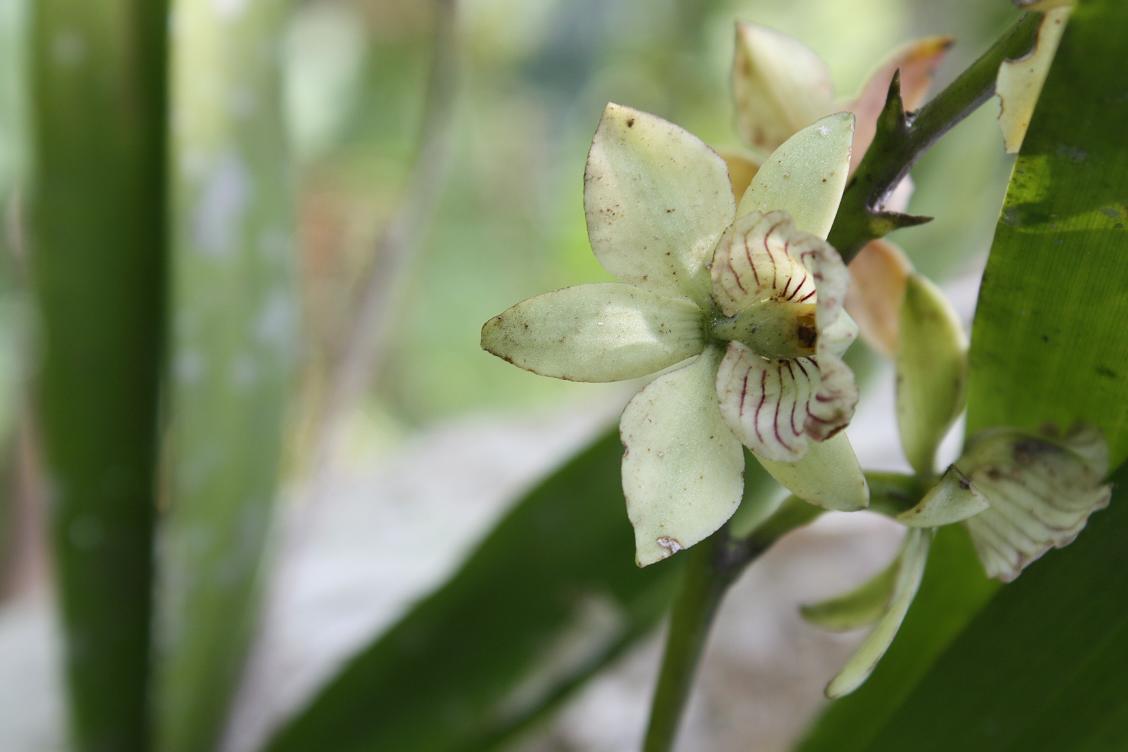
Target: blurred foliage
(535,79)
(232,344)
(96,222)
(549,598)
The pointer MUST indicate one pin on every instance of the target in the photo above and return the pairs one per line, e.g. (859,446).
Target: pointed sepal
(914,556)
(858,608)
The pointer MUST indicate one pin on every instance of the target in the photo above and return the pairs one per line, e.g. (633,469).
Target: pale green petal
(858,608)
(1020,81)
(1040,493)
(931,367)
(657,199)
(805,176)
(682,467)
(1090,446)
(914,556)
(599,332)
(778,86)
(953,499)
(828,476)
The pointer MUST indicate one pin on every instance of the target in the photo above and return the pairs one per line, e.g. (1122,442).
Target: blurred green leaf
(14,40)
(1047,345)
(549,597)
(233,319)
(98,233)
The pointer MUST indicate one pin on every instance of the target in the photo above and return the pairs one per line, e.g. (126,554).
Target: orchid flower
(779,85)
(738,307)
(1019,494)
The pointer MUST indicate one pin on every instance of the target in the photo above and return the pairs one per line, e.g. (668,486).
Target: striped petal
(779,85)
(682,467)
(1040,492)
(598,332)
(764,257)
(766,402)
(777,406)
(773,394)
(657,200)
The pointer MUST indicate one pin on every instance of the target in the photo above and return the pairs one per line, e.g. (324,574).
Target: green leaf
(233,317)
(1045,346)
(98,237)
(1049,336)
(549,597)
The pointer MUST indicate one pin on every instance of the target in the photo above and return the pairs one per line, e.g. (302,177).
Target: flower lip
(781,383)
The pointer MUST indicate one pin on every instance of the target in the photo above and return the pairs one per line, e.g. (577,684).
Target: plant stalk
(895,150)
(712,566)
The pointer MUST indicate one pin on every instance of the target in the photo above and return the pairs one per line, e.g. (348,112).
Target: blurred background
(437,153)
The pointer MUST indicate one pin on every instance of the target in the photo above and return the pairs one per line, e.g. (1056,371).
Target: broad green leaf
(549,597)
(597,332)
(233,317)
(1049,338)
(805,176)
(97,235)
(1049,321)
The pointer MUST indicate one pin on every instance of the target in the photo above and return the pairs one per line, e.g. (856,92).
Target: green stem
(897,146)
(712,566)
